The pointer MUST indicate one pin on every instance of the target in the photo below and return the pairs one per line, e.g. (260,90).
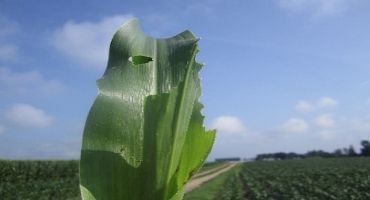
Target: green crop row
(28,180)
(233,187)
(346,178)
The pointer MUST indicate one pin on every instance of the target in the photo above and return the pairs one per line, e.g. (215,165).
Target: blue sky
(280,75)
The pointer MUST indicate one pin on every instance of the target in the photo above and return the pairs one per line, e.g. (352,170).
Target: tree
(345,151)
(365,150)
(338,153)
(351,151)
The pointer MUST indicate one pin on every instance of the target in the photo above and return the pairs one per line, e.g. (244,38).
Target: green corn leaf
(144,136)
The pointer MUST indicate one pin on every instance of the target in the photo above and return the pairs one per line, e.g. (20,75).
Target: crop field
(39,180)
(312,179)
(343,178)
(43,180)
(321,179)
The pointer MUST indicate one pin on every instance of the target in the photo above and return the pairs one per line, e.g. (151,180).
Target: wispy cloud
(295,125)
(323,102)
(317,8)
(8,51)
(8,27)
(25,115)
(87,42)
(26,83)
(327,134)
(359,125)
(305,106)
(325,121)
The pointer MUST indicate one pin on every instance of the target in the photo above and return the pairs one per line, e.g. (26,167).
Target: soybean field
(346,178)
(311,179)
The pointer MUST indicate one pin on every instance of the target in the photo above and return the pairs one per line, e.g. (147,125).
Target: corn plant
(144,136)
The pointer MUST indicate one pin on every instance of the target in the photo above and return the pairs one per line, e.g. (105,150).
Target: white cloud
(8,52)
(25,115)
(229,124)
(323,102)
(305,106)
(327,102)
(31,82)
(325,121)
(317,8)
(88,42)
(295,125)
(295,135)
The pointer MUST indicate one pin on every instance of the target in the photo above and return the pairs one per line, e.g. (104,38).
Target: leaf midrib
(177,122)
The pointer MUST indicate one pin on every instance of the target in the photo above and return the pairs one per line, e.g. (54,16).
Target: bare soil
(194,183)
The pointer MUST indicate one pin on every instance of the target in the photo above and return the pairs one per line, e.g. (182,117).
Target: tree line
(344,152)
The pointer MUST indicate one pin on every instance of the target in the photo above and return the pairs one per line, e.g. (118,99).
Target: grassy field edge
(211,189)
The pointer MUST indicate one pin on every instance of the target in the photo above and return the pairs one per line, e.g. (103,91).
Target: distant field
(317,179)
(326,179)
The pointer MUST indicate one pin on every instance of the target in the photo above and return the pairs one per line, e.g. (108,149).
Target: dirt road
(198,181)
(210,171)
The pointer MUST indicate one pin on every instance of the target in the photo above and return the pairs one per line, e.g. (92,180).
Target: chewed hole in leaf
(137,60)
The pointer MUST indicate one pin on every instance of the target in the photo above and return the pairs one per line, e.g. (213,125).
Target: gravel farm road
(192,184)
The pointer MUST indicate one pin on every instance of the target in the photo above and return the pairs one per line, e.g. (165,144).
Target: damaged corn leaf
(144,136)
